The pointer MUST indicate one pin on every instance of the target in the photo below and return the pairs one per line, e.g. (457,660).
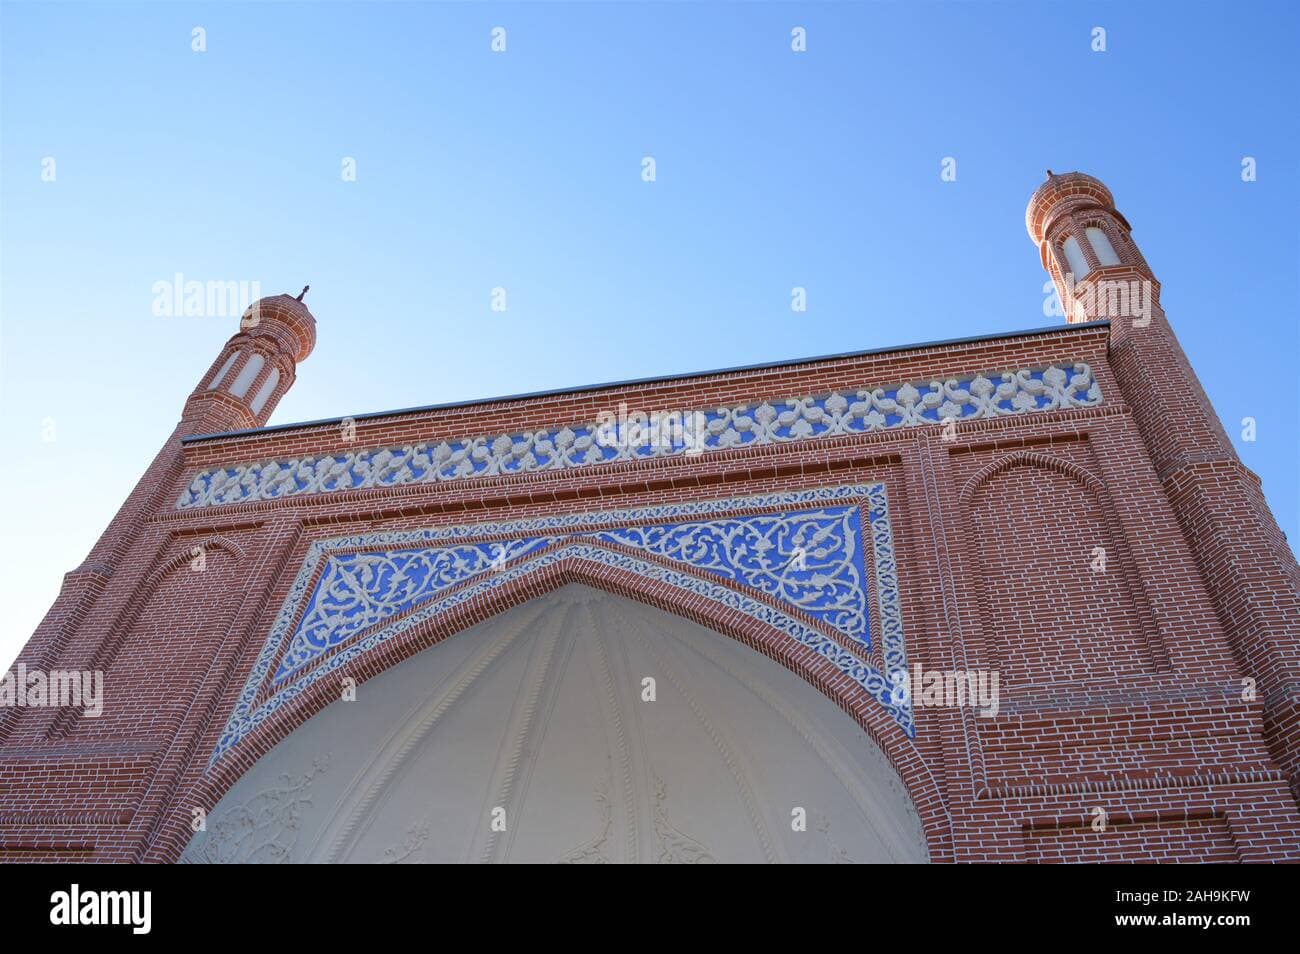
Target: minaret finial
(305,289)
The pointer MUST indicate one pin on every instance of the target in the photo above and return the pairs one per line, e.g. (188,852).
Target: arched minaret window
(265,391)
(1101,246)
(225,369)
(1074,255)
(246,375)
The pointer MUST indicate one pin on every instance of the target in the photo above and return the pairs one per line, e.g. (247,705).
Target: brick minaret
(240,390)
(254,369)
(1087,248)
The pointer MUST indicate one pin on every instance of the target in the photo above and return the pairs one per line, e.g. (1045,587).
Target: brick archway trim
(712,603)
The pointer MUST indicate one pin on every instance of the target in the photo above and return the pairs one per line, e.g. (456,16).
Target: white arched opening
(536,737)
(244,380)
(1101,246)
(224,370)
(265,391)
(1074,255)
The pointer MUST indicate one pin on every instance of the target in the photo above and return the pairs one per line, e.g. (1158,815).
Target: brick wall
(1122,687)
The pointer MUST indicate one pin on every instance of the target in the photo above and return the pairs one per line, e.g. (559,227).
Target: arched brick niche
(168,643)
(1054,583)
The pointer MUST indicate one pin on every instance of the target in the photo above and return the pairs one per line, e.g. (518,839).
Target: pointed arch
(170,565)
(797,644)
(1027,458)
(138,607)
(1029,578)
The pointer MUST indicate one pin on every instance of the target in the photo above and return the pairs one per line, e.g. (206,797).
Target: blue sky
(522,170)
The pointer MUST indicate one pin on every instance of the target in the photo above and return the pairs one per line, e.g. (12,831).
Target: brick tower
(240,390)
(1247,567)
(294,684)
(255,368)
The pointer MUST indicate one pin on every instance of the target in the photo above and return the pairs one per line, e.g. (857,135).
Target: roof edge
(660,379)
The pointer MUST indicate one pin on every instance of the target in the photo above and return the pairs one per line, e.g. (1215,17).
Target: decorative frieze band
(623,435)
(810,559)
(803,549)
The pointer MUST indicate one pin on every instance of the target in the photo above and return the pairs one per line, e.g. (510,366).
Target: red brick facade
(1123,684)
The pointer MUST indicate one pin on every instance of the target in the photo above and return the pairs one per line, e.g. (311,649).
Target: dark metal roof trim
(334,421)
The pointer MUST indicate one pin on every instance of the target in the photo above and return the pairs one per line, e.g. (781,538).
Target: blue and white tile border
(631,437)
(246,716)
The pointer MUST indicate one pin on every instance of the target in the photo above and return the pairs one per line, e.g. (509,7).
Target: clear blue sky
(523,170)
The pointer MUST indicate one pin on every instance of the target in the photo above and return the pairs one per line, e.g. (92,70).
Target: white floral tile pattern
(407,574)
(643,437)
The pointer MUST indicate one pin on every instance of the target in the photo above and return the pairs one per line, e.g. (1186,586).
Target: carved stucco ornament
(805,549)
(654,435)
(536,715)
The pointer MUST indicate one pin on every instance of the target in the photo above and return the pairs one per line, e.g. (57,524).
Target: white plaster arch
(539,711)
